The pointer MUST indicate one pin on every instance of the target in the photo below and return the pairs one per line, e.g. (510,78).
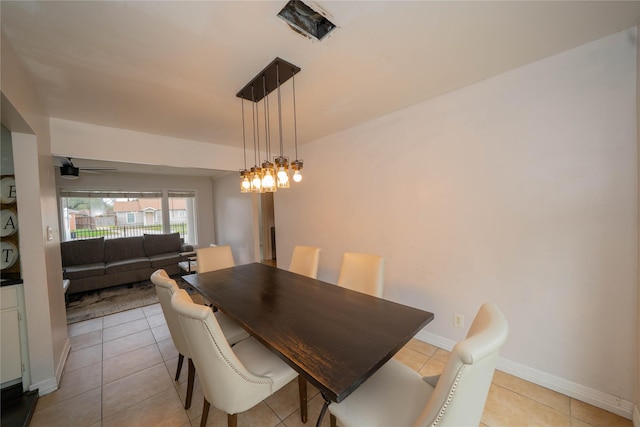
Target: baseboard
(51,384)
(436,340)
(577,391)
(63,359)
(45,386)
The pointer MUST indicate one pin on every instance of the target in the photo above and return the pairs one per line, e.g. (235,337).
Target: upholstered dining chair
(214,258)
(234,379)
(397,396)
(363,273)
(305,261)
(165,288)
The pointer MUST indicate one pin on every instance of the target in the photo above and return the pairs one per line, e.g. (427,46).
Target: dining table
(334,337)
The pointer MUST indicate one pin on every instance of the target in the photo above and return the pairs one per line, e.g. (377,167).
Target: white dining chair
(214,258)
(234,379)
(165,288)
(397,396)
(363,273)
(305,261)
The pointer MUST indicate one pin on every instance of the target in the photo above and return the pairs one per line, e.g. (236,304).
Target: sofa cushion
(156,244)
(124,248)
(81,271)
(165,259)
(81,252)
(127,265)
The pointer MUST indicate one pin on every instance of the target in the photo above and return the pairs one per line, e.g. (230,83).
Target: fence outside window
(113,214)
(125,231)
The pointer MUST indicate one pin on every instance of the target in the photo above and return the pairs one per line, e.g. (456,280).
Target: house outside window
(112,214)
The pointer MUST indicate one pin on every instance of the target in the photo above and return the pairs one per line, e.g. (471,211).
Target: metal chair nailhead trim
(449,398)
(240,374)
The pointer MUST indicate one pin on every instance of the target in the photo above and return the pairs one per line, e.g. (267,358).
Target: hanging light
(245,183)
(256,179)
(268,171)
(269,177)
(281,161)
(282,171)
(256,171)
(296,165)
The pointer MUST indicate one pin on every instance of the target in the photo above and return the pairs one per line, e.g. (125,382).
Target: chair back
(225,382)
(214,258)
(305,261)
(165,288)
(461,390)
(363,273)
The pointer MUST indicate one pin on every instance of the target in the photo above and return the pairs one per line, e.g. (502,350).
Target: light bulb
(297,176)
(268,181)
(256,182)
(245,183)
(283,176)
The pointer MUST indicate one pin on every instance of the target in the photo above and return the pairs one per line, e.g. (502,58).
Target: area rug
(102,302)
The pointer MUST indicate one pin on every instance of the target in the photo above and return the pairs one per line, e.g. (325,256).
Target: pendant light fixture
(268,172)
(245,182)
(268,177)
(256,171)
(281,161)
(296,165)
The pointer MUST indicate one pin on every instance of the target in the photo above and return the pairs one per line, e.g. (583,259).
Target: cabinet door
(10,362)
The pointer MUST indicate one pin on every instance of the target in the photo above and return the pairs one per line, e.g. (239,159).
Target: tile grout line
(137,403)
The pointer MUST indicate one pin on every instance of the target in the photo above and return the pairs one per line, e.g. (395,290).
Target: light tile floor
(121,367)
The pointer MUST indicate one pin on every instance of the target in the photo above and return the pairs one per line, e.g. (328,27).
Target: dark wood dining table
(334,337)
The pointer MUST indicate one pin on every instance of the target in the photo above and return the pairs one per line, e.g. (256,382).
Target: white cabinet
(13,351)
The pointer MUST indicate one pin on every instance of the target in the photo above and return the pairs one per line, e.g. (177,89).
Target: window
(111,214)
(182,214)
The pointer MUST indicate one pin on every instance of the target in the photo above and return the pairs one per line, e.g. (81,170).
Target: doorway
(267,228)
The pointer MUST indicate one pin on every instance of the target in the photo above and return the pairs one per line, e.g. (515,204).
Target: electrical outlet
(458,320)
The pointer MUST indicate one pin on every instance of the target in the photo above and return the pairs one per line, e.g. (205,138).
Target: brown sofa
(98,263)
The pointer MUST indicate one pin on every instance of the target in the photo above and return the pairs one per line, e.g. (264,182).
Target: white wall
(87,141)
(142,182)
(522,190)
(236,219)
(40,258)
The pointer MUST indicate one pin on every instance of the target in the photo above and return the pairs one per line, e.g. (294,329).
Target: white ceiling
(173,67)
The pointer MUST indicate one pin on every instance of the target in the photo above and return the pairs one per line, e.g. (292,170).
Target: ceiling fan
(69,171)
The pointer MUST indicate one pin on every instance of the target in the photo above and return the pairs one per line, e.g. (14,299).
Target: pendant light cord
(266,119)
(244,138)
(295,122)
(279,110)
(253,119)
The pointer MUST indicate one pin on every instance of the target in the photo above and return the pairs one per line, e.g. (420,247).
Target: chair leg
(190,379)
(232,420)
(334,421)
(205,413)
(180,360)
(302,391)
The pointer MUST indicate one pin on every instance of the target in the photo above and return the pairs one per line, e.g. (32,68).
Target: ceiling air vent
(306,21)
